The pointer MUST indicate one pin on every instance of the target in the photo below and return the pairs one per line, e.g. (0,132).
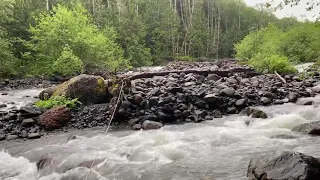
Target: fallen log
(205,72)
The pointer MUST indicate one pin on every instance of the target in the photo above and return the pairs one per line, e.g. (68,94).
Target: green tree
(73,26)
(7,60)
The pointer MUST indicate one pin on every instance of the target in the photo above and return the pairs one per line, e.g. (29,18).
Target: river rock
(153,101)
(12,137)
(217,114)
(43,162)
(254,113)
(34,135)
(265,100)
(30,111)
(286,166)
(88,89)
(27,122)
(54,118)
(210,98)
(148,125)
(241,102)
(305,102)
(228,92)
(47,93)
(3,105)
(213,77)
(137,99)
(309,128)
(293,97)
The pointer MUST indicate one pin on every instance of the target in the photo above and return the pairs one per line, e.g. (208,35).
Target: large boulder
(88,89)
(54,118)
(286,166)
(309,128)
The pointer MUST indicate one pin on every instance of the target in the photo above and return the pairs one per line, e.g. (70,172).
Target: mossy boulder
(88,89)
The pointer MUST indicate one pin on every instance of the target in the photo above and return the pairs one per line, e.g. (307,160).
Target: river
(213,150)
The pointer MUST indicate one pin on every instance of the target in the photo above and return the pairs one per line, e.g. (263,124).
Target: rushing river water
(212,150)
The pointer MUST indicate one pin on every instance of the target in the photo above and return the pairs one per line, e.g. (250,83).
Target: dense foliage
(116,34)
(58,101)
(274,49)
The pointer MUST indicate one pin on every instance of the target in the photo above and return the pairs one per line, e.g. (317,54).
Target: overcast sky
(297,11)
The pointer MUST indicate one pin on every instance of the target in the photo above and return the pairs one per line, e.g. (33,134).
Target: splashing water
(218,149)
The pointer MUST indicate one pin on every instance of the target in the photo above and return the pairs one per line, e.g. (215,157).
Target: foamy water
(212,150)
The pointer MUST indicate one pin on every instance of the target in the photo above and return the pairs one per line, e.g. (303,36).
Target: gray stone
(28,122)
(305,102)
(24,134)
(3,105)
(217,114)
(265,100)
(137,99)
(286,166)
(241,102)
(213,77)
(34,135)
(309,128)
(210,98)
(137,127)
(254,113)
(228,92)
(148,125)
(12,137)
(293,97)
(189,83)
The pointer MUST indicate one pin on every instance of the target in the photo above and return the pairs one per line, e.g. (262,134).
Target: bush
(58,101)
(67,64)
(270,63)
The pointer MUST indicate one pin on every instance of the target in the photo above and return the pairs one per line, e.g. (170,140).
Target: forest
(69,37)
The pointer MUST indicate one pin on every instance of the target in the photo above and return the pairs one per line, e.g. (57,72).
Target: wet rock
(3,105)
(132,122)
(163,116)
(255,113)
(27,122)
(4,94)
(316,89)
(265,100)
(286,166)
(210,98)
(12,137)
(54,118)
(217,114)
(305,102)
(43,163)
(189,84)
(137,127)
(2,137)
(228,92)
(232,110)
(293,97)
(283,136)
(47,93)
(241,103)
(309,128)
(278,101)
(34,135)
(148,125)
(24,134)
(72,137)
(137,99)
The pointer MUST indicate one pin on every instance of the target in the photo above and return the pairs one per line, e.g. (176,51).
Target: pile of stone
(150,103)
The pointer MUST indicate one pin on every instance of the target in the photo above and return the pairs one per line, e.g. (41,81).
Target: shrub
(270,63)
(67,64)
(185,58)
(58,101)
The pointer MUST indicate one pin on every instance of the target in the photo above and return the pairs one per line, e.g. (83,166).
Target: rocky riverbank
(165,98)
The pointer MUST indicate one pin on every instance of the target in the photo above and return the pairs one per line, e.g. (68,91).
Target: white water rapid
(212,150)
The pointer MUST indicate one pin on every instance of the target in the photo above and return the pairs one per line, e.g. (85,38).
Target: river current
(212,150)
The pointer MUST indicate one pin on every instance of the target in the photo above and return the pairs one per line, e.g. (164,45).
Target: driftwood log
(205,72)
(281,78)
